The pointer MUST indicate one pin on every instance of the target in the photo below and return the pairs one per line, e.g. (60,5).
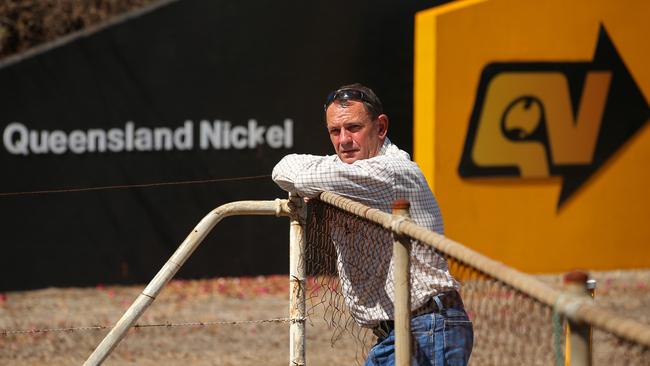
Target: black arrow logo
(518,127)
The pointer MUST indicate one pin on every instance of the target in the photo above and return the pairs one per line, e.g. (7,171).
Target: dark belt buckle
(383,329)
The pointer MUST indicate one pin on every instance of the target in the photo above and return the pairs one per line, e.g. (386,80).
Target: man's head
(355,122)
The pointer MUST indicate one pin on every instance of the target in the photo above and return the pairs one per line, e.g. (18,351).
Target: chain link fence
(518,319)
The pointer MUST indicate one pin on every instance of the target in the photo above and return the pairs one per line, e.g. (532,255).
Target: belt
(436,304)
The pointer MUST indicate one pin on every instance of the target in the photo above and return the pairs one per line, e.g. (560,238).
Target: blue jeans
(438,339)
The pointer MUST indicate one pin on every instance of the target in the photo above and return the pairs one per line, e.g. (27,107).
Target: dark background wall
(188,60)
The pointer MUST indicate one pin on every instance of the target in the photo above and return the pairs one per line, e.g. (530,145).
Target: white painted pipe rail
(277,207)
(297,282)
(402,280)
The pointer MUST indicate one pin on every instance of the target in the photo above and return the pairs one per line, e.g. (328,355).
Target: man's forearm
(369,181)
(286,173)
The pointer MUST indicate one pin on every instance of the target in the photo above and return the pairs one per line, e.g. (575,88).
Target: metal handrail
(573,307)
(278,207)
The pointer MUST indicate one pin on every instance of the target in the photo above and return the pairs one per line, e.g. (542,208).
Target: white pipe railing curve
(278,207)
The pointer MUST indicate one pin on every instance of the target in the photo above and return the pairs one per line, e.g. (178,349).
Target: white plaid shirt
(367,280)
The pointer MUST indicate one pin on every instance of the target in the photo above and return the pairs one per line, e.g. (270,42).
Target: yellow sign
(531,127)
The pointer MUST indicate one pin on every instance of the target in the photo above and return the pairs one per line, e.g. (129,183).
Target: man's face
(353,133)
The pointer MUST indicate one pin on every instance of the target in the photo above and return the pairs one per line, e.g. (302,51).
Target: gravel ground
(212,300)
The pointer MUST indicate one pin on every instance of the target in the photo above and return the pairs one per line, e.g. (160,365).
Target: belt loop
(441,307)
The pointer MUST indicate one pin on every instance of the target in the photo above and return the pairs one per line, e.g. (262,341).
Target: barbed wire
(159,325)
(128,186)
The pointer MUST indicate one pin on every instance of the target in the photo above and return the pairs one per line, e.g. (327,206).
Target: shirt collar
(384,148)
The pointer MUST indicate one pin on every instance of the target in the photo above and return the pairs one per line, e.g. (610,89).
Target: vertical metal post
(401,278)
(297,281)
(578,335)
(591,290)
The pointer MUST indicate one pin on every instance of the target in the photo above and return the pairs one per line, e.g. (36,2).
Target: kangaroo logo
(543,119)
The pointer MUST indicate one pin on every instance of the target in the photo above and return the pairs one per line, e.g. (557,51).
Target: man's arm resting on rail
(368,180)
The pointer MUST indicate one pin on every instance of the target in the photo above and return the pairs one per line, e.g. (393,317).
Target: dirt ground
(211,300)
(214,300)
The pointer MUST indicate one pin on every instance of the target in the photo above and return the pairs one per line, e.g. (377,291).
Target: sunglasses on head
(346,94)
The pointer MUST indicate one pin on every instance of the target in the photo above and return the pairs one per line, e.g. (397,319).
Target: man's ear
(382,126)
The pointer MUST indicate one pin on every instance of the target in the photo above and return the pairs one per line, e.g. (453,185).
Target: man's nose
(346,137)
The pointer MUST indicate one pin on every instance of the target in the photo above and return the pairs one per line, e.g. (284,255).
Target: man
(370,169)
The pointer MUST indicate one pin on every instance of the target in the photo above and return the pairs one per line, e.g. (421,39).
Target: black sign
(193,90)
